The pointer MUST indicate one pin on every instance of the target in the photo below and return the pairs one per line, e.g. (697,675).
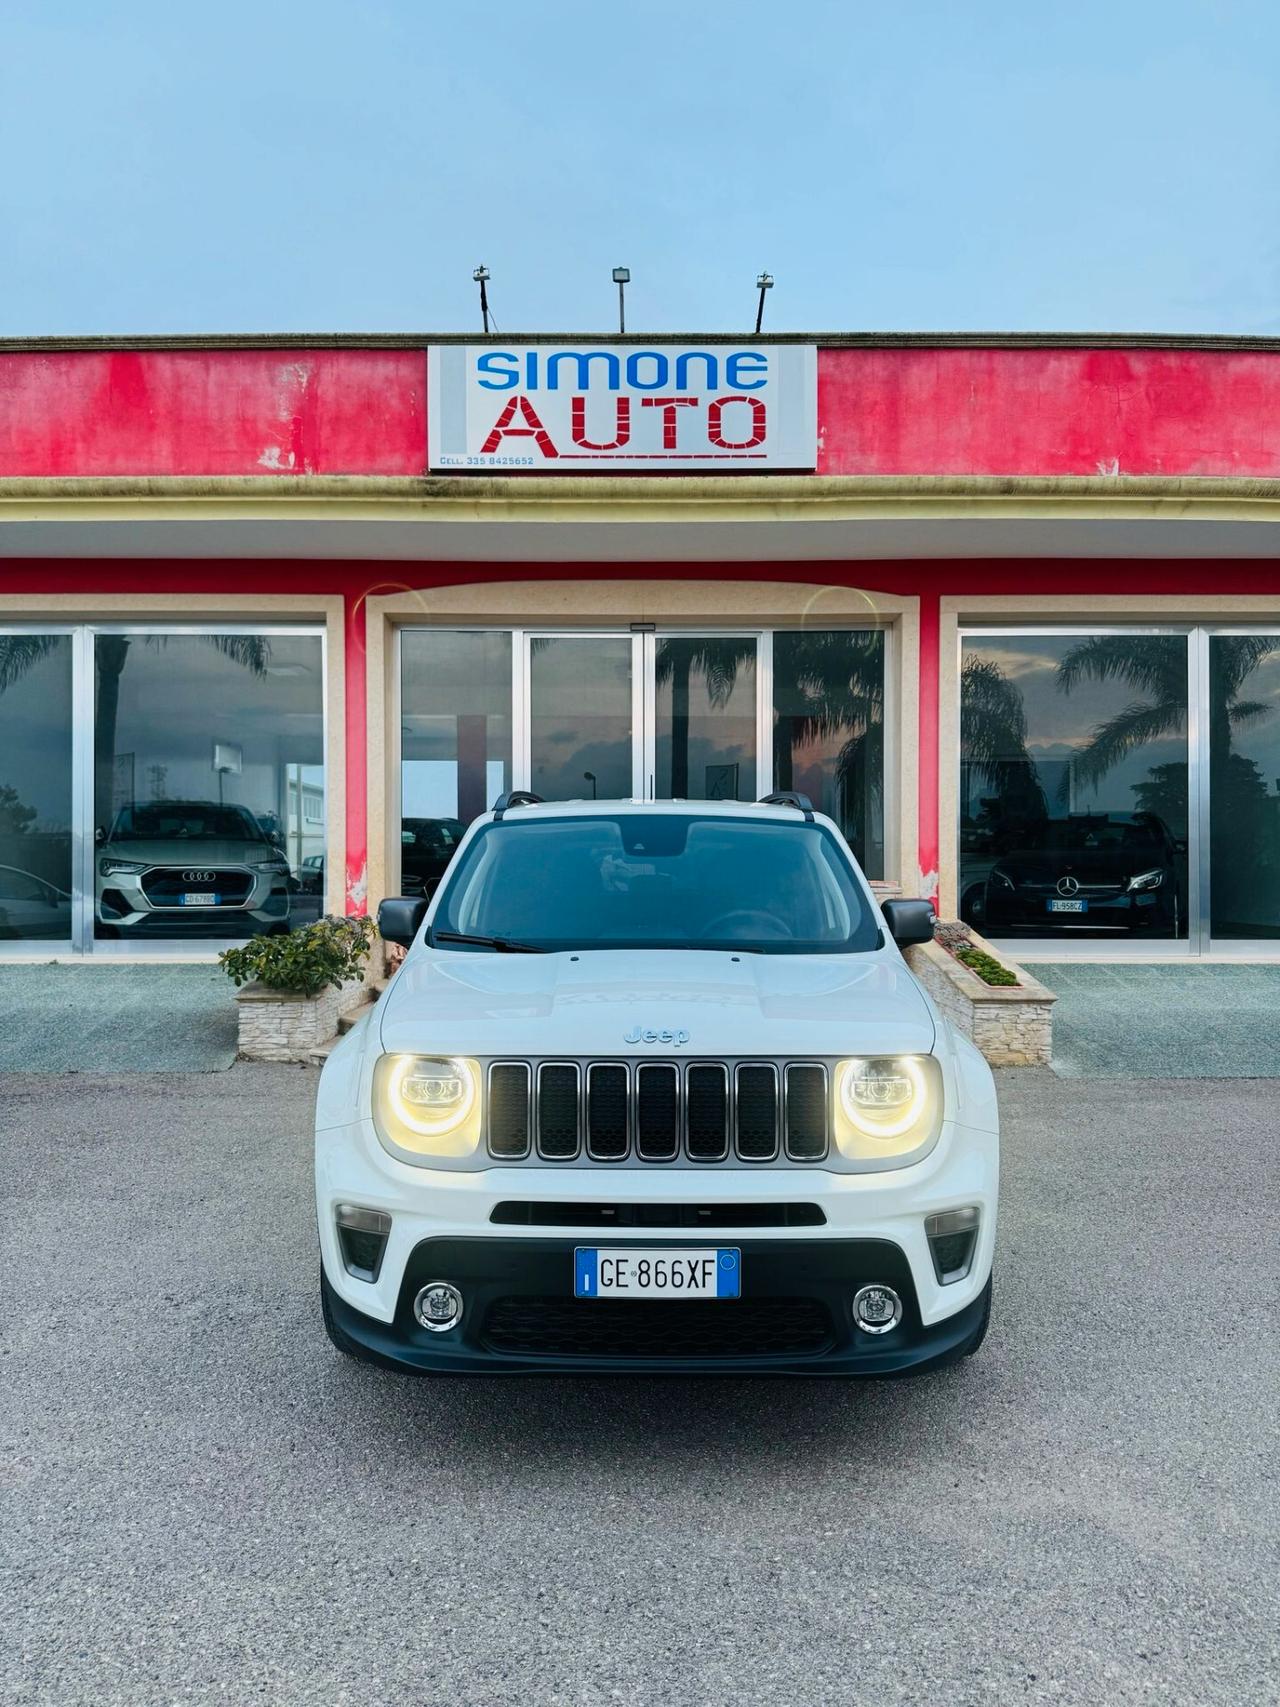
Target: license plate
(1068,906)
(603,1273)
(204,899)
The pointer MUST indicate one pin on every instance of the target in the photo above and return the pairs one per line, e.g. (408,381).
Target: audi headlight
(429,1104)
(108,867)
(887,1105)
(1146,880)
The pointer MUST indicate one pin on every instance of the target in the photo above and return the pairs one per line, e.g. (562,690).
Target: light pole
(763,283)
(481,276)
(622,278)
(590,776)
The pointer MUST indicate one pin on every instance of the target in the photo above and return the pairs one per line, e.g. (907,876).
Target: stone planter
(1011,1024)
(278,1025)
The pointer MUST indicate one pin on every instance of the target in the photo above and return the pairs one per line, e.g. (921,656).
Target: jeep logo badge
(638,1034)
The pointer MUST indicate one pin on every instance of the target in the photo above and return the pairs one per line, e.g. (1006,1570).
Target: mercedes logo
(1068,886)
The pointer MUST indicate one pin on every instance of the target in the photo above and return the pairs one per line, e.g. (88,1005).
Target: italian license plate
(602,1273)
(1068,906)
(205,898)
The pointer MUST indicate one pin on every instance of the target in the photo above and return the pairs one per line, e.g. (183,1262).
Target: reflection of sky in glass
(179,698)
(1060,725)
(35,738)
(580,718)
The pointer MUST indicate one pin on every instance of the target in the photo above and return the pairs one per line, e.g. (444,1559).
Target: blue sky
(337,167)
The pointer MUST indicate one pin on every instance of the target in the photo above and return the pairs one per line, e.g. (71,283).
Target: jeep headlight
(887,1105)
(429,1104)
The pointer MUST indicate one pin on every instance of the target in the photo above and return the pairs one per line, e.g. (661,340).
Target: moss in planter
(985,966)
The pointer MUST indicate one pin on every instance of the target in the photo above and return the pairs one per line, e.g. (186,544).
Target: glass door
(1241,799)
(583,696)
(705,723)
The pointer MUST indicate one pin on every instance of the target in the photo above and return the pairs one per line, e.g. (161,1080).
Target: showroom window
(160,785)
(1121,787)
(36,791)
(610,714)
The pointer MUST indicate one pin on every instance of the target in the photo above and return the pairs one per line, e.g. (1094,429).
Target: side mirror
(909,922)
(99,835)
(400,920)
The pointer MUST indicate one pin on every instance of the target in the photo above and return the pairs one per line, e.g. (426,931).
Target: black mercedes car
(1096,871)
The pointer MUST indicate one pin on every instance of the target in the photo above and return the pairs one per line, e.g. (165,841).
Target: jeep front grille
(659,1111)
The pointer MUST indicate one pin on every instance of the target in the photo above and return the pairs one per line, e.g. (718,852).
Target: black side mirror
(400,920)
(909,922)
(99,835)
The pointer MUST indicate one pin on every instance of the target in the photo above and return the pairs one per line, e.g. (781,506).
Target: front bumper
(868,1228)
(793,1317)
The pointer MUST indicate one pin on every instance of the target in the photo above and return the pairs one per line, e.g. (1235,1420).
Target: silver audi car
(190,868)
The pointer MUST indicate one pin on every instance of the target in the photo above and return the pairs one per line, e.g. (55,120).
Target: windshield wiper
(499,944)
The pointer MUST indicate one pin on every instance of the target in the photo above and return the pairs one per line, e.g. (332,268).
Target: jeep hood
(589,1003)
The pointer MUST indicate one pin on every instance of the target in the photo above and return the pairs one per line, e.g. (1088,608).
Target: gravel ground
(203,1502)
(1118,1021)
(116,1019)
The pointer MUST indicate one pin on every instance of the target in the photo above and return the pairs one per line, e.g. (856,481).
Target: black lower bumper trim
(521,1318)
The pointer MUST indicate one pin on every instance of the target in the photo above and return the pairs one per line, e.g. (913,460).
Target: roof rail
(514,797)
(789,797)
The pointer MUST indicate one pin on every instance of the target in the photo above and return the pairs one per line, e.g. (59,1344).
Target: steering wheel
(756,921)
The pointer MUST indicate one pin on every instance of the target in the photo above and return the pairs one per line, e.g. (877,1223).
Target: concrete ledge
(1011,1024)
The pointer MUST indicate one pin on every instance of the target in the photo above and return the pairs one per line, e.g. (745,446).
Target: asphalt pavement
(201,1501)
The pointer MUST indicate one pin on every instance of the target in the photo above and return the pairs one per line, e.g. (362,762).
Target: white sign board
(651,409)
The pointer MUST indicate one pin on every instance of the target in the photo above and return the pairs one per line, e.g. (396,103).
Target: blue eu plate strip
(586,1264)
(728,1274)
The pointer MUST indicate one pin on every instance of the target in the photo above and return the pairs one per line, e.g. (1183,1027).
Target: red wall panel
(213,412)
(1049,411)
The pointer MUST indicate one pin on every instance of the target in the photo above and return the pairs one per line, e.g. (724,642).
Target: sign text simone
(660,408)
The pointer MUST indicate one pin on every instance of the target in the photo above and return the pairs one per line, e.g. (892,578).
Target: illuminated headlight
(429,1104)
(1146,880)
(109,867)
(888,1105)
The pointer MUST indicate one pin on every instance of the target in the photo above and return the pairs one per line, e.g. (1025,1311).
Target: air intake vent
(806,1111)
(657,1111)
(606,1111)
(707,1112)
(509,1103)
(757,1112)
(558,1110)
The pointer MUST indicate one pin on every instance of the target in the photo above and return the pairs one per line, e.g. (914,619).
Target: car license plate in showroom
(602,1273)
(1068,906)
(204,899)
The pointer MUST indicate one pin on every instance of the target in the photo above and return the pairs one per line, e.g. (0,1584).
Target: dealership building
(279,617)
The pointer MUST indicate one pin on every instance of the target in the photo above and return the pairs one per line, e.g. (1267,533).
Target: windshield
(185,821)
(658,881)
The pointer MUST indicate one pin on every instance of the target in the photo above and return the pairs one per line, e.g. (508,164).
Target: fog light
(438,1306)
(362,1235)
(876,1309)
(953,1237)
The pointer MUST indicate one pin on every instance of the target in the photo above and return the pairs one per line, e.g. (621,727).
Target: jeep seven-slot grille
(659,1111)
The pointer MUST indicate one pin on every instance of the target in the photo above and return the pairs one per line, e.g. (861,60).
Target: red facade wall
(1049,411)
(172,412)
(881,411)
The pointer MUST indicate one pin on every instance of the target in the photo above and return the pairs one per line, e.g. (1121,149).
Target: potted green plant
(292,988)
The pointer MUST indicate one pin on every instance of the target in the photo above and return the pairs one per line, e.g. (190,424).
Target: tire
(980,1332)
(346,1346)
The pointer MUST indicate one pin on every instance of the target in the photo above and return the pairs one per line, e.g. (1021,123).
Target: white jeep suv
(654,1090)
